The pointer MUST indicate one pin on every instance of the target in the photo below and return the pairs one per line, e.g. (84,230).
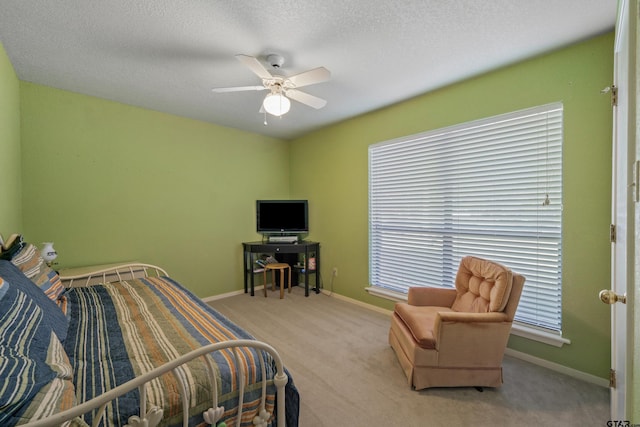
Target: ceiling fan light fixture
(276,104)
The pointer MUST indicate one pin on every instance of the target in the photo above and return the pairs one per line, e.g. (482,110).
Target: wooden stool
(273,267)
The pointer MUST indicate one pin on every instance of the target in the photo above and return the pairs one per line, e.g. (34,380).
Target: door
(623,194)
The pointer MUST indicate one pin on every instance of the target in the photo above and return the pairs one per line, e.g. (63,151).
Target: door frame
(625,271)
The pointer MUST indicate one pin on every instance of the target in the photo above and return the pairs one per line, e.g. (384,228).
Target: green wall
(330,168)
(10,190)
(108,182)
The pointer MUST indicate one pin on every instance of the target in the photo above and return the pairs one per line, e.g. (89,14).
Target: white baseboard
(574,373)
(228,294)
(356,302)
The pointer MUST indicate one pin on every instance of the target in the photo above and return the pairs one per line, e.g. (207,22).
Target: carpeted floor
(347,375)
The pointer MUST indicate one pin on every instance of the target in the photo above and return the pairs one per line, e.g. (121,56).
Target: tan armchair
(457,337)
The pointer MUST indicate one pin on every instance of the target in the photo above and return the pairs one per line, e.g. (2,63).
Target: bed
(128,345)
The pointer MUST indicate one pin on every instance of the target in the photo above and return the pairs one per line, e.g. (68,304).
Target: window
(490,188)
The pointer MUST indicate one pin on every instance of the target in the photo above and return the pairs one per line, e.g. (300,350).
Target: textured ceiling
(167,55)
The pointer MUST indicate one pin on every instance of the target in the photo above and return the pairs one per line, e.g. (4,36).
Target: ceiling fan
(281,88)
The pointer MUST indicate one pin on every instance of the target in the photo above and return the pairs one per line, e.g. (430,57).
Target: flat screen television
(282,216)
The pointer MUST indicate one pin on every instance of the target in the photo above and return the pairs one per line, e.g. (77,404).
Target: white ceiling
(166,55)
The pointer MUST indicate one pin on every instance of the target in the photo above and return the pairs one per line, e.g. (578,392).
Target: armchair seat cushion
(420,322)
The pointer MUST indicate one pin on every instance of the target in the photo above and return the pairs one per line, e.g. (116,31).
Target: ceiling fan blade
(317,75)
(305,98)
(254,65)
(236,89)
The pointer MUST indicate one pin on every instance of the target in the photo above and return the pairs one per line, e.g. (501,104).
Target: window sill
(386,294)
(517,329)
(536,334)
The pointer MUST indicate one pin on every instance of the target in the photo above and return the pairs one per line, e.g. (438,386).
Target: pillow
(35,370)
(53,316)
(30,262)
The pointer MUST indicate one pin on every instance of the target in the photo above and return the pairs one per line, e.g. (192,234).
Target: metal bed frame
(151,417)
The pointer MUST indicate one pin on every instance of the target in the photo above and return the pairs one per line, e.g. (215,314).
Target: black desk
(303,247)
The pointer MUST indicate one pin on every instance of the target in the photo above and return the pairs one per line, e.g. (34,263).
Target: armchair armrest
(431,296)
(455,316)
(471,339)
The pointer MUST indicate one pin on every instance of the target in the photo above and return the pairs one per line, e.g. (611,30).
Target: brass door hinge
(612,378)
(614,94)
(612,233)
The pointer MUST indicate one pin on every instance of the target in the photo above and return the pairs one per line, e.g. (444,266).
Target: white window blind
(490,188)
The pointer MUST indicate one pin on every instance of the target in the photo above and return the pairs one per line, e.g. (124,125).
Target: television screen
(282,216)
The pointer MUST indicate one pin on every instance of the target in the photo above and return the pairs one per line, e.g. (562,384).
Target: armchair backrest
(482,286)
(514,297)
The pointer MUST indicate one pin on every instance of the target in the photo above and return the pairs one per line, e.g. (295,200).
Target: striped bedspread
(120,330)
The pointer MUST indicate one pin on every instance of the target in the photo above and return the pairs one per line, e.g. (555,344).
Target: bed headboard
(91,275)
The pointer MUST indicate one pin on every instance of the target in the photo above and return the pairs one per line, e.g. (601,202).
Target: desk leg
(251,273)
(306,271)
(245,270)
(318,269)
